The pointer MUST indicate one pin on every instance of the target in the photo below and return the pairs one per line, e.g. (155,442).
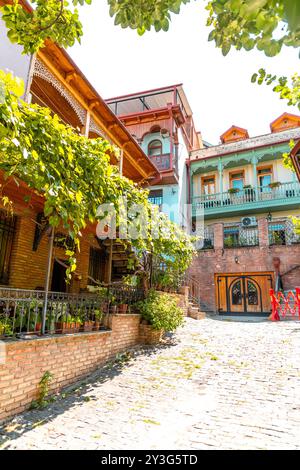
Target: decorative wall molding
(40,70)
(244,145)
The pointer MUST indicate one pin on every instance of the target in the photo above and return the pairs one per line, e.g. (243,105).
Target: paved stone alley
(213,385)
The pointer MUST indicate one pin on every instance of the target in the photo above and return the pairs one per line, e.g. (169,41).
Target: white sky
(219,89)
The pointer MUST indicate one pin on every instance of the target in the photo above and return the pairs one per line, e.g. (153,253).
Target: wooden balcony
(162,162)
(248,200)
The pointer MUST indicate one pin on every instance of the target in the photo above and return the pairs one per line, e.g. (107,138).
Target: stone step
(197,315)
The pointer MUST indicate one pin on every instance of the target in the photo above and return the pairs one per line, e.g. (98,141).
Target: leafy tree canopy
(265,24)
(74,175)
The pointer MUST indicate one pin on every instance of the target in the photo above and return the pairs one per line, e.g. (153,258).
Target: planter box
(150,336)
(67,328)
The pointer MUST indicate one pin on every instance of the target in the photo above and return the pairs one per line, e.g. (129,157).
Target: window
(236,294)
(231,237)
(155,148)
(237,180)
(96,266)
(208,185)
(7,230)
(156,197)
(264,178)
(252,293)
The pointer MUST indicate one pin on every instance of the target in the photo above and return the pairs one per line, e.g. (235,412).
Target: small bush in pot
(160,310)
(98,315)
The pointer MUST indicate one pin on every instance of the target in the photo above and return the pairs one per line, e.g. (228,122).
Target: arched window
(236,293)
(252,293)
(155,148)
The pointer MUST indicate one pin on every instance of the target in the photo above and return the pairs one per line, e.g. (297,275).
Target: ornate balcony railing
(284,193)
(162,162)
(22,311)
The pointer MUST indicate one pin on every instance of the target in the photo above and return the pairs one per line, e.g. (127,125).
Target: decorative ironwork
(235,236)
(282,232)
(40,70)
(205,238)
(7,230)
(21,310)
(285,304)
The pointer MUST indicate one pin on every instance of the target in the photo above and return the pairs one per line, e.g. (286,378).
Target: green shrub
(161,311)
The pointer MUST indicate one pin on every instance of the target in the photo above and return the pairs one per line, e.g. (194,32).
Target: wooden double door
(247,293)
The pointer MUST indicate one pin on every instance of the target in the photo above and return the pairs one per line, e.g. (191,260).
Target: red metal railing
(285,305)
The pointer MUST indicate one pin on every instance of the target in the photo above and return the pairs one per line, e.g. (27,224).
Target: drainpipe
(47,282)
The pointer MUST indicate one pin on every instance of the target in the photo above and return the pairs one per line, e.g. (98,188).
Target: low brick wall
(67,357)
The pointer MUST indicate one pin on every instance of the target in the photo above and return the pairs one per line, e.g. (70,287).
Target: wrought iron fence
(206,239)
(22,311)
(236,236)
(283,232)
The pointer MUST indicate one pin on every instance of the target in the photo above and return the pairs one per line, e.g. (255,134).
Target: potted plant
(113,305)
(274,184)
(5,327)
(88,325)
(233,190)
(160,313)
(123,308)
(68,324)
(98,315)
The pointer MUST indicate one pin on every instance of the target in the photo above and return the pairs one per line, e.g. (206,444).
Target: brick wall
(67,357)
(244,260)
(28,267)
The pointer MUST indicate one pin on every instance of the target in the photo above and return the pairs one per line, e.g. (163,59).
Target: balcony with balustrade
(251,200)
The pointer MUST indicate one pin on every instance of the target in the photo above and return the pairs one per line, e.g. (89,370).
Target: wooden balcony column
(254,162)
(220,171)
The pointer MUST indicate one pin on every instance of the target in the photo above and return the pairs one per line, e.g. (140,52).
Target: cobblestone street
(213,385)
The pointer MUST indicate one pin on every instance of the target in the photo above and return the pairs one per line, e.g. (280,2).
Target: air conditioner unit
(249,222)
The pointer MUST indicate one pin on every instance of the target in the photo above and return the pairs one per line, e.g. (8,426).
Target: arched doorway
(244,293)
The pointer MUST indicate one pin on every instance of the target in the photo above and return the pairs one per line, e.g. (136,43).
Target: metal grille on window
(206,239)
(96,266)
(239,236)
(7,230)
(283,232)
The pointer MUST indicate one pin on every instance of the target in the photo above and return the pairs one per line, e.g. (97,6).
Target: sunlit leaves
(73,173)
(288,90)
(252,23)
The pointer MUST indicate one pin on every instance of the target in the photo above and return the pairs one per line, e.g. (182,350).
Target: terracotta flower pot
(97,325)
(38,328)
(67,327)
(88,325)
(123,308)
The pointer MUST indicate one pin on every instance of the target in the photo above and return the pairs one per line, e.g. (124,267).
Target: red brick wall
(28,267)
(243,260)
(67,357)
